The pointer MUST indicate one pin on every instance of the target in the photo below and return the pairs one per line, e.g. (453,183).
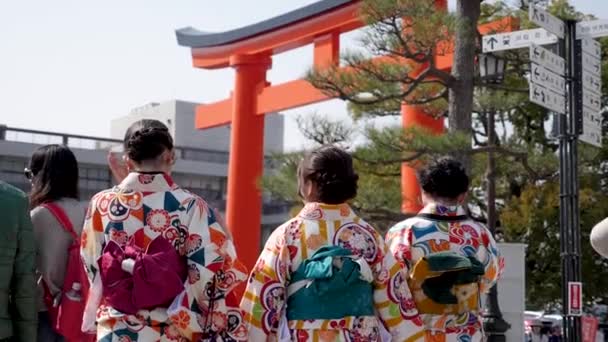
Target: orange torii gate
(249,51)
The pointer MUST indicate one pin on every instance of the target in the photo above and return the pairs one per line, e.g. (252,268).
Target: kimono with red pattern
(140,209)
(417,237)
(317,225)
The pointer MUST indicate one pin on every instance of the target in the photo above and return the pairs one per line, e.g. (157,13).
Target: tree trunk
(463,71)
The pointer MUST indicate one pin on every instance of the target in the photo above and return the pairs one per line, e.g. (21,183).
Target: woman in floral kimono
(161,265)
(327,275)
(452,259)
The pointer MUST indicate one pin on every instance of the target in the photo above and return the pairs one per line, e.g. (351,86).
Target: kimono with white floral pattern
(417,237)
(144,207)
(319,225)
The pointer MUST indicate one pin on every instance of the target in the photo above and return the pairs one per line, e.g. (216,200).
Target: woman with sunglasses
(162,265)
(53,173)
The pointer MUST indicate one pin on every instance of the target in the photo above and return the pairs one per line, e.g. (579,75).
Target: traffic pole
(569,129)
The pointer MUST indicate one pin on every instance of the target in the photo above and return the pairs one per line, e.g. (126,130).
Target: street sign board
(592,47)
(592,29)
(592,82)
(547,98)
(517,40)
(575,298)
(547,21)
(548,59)
(591,101)
(592,134)
(547,79)
(591,117)
(592,64)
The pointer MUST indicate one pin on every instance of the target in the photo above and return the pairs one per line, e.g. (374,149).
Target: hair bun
(147,139)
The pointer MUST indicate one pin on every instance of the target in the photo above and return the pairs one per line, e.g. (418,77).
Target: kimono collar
(327,212)
(443,210)
(148,182)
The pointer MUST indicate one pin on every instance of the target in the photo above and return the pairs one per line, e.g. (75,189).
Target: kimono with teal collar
(316,226)
(142,208)
(447,229)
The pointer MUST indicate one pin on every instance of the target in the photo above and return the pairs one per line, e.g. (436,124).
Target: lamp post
(492,70)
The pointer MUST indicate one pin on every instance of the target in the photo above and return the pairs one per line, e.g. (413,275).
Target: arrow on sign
(492,41)
(548,59)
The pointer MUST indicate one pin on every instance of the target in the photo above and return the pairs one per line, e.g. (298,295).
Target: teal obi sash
(330,285)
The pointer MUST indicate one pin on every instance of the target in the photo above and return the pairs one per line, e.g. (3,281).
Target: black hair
(146,140)
(331,170)
(54,172)
(444,178)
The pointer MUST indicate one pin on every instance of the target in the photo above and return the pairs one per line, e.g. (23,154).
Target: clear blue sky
(72,66)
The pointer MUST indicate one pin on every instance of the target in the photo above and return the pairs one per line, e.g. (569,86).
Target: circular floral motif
(464,234)
(171,234)
(182,320)
(273,297)
(117,211)
(103,203)
(398,292)
(124,338)
(225,279)
(158,220)
(365,329)
(359,240)
(235,327)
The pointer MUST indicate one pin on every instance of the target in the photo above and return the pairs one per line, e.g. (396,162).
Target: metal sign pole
(569,209)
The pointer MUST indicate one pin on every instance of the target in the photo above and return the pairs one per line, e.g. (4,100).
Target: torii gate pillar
(244,205)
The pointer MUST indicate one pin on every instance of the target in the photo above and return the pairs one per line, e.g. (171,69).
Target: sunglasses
(28,173)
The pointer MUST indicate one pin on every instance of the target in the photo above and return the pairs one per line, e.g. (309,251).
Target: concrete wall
(512,289)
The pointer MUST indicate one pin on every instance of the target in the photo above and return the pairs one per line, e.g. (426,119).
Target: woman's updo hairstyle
(146,140)
(331,170)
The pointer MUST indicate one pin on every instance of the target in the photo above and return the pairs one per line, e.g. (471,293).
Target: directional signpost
(591,81)
(545,19)
(517,40)
(547,82)
(592,29)
(569,84)
(547,98)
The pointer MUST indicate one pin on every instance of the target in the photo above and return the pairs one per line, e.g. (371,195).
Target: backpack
(66,308)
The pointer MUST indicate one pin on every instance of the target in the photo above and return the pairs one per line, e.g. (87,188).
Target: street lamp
(492,70)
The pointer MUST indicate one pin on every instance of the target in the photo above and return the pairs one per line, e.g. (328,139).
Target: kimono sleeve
(264,300)
(92,240)
(494,262)
(392,297)
(208,308)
